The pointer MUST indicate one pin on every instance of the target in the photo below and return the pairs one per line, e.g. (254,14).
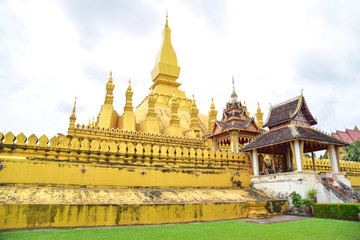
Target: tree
(353,151)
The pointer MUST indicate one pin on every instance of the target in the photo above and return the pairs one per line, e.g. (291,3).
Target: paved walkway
(275,219)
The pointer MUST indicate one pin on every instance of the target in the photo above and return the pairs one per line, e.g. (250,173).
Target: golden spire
(259,117)
(72,117)
(233,94)
(166,53)
(193,101)
(110,78)
(194,111)
(212,106)
(212,116)
(166,24)
(129,93)
(246,110)
(166,69)
(109,90)
(73,111)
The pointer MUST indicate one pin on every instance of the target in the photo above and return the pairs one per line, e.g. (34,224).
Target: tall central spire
(166,69)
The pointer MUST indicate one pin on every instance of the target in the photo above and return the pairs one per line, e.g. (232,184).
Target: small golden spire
(233,94)
(166,24)
(128,102)
(259,117)
(110,78)
(73,112)
(109,90)
(72,118)
(212,106)
(212,116)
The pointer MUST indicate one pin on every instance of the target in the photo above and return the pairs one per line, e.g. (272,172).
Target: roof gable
(287,111)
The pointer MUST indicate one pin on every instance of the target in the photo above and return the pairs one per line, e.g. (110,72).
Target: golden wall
(74,215)
(107,163)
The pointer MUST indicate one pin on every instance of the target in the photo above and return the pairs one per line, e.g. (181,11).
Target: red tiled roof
(348,135)
(355,135)
(336,136)
(344,136)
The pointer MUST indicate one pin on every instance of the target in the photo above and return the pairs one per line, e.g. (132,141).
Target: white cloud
(52,51)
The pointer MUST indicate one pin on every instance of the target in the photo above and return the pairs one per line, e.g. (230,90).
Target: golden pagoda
(150,165)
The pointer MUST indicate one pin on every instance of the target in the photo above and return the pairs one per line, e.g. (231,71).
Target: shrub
(306,202)
(344,211)
(312,193)
(296,199)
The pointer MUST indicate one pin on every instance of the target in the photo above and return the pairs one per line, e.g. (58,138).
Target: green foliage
(310,229)
(353,151)
(344,211)
(306,202)
(312,193)
(296,199)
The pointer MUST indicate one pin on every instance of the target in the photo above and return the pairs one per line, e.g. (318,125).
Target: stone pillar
(333,159)
(297,153)
(288,160)
(255,162)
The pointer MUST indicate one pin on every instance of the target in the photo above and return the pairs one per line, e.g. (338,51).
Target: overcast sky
(52,51)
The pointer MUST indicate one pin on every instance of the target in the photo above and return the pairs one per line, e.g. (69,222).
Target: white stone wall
(280,185)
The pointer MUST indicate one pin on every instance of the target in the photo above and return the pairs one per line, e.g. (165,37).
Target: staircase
(345,193)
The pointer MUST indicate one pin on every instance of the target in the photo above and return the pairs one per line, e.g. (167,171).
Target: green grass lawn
(305,229)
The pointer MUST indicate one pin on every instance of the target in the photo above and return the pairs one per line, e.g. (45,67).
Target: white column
(333,159)
(297,152)
(255,162)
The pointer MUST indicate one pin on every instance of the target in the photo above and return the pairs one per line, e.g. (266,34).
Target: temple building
(290,135)
(236,127)
(163,162)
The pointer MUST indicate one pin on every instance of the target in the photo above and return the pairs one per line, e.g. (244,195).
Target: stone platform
(41,207)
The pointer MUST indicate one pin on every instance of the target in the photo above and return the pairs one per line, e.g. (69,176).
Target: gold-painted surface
(119,165)
(114,174)
(257,210)
(259,117)
(76,215)
(67,195)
